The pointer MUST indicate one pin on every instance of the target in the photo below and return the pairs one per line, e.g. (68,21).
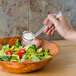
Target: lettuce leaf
(13,47)
(14,58)
(5,58)
(47,56)
(18,43)
(34,58)
(24,58)
(6,47)
(46,50)
(39,50)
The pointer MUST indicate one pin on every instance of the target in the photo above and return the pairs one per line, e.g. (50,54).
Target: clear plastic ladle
(29,36)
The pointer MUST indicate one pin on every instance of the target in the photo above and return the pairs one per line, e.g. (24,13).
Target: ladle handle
(40,31)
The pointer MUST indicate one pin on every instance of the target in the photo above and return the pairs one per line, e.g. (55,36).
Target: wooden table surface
(64,64)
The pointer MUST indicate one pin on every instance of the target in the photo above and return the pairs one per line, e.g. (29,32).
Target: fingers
(50,30)
(46,21)
(53,19)
(53,31)
(52,22)
(62,18)
(46,29)
(50,25)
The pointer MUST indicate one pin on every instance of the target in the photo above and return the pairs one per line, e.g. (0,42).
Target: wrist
(68,35)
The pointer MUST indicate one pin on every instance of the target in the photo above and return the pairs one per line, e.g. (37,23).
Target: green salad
(19,53)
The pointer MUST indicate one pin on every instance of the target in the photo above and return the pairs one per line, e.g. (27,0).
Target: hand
(61,25)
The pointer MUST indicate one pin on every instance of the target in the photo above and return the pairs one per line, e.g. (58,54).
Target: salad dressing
(28,36)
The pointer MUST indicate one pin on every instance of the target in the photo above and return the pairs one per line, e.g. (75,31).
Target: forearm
(71,36)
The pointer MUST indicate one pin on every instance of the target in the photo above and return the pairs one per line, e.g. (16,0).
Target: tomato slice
(13,61)
(8,52)
(22,51)
(19,54)
(26,60)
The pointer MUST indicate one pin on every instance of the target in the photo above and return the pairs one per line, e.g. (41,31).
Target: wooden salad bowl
(23,67)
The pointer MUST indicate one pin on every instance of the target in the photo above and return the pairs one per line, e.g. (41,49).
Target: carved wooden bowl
(23,67)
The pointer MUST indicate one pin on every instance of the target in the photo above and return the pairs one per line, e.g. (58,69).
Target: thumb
(53,19)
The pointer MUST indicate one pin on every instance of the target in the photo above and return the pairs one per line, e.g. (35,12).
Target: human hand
(61,25)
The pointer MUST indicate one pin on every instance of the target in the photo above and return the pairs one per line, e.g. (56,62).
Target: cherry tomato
(26,60)
(19,54)
(22,51)
(8,52)
(13,61)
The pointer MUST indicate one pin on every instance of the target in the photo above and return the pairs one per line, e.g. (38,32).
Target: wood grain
(29,66)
